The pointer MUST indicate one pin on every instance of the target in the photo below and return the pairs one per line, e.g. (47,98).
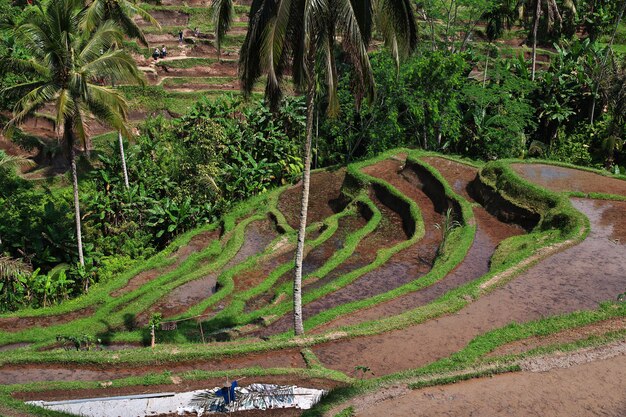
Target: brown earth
(567,179)
(313,260)
(591,389)
(576,282)
(196,244)
(257,234)
(23,373)
(324,195)
(16,324)
(489,233)
(617,324)
(389,232)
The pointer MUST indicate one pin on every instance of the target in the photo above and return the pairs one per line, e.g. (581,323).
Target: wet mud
(324,197)
(590,389)
(313,260)
(196,244)
(567,179)
(16,324)
(18,374)
(579,278)
(566,336)
(258,235)
(489,233)
(390,231)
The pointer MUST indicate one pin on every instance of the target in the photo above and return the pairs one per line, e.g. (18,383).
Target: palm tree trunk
(604,61)
(79,237)
(306,180)
(535,28)
(119,136)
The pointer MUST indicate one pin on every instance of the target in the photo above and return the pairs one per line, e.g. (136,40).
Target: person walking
(163,52)
(180,37)
(156,54)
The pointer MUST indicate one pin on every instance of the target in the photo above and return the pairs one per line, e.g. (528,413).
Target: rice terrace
(462,250)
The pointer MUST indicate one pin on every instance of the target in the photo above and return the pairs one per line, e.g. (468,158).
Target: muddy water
(591,389)
(196,244)
(490,232)
(390,231)
(568,179)
(566,336)
(12,346)
(18,374)
(16,324)
(578,278)
(325,190)
(258,235)
(458,175)
(313,260)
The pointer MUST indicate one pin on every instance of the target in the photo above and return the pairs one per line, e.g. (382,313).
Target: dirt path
(590,389)
(579,278)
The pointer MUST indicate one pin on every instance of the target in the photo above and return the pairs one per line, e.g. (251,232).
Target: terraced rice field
(384,294)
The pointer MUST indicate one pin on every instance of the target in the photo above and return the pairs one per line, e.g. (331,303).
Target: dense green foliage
(461,92)
(436,101)
(183,172)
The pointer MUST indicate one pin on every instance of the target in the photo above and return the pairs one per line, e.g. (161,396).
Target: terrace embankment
(489,233)
(580,278)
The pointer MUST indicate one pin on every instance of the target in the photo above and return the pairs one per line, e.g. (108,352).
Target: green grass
(559,222)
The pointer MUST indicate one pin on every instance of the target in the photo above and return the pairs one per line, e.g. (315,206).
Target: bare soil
(16,324)
(196,244)
(591,389)
(167,18)
(389,232)
(17,374)
(217,69)
(258,235)
(325,190)
(489,233)
(579,278)
(313,260)
(566,336)
(567,179)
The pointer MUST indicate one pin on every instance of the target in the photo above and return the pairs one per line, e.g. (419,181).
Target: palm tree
(68,62)
(14,162)
(121,12)
(553,19)
(299,37)
(222,19)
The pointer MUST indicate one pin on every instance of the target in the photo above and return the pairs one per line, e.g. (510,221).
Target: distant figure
(163,52)
(156,54)
(196,32)
(180,37)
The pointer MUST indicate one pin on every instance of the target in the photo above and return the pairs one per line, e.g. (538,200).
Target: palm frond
(105,36)
(223,13)
(116,65)
(396,21)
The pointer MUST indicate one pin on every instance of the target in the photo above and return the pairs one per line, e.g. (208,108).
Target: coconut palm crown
(299,38)
(69,64)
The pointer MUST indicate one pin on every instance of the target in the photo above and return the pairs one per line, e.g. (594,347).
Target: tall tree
(119,11)
(68,63)
(300,37)
(122,13)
